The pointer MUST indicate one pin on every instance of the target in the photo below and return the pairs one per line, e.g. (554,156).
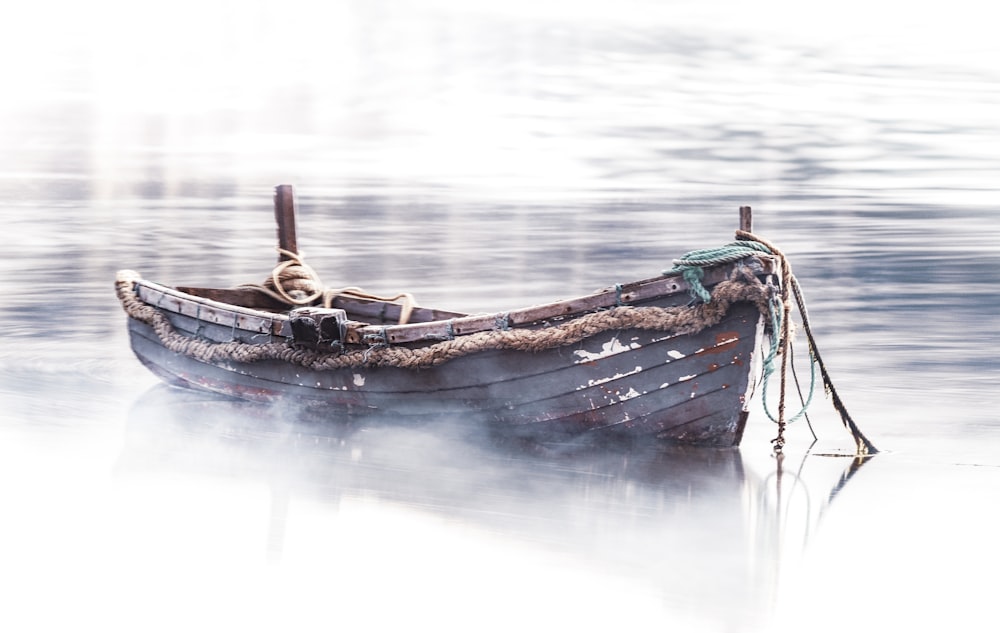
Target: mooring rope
(865,447)
(790,286)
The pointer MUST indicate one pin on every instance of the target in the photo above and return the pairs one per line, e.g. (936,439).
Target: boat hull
(629,385)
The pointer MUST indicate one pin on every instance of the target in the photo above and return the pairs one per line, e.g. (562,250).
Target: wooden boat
(639,362)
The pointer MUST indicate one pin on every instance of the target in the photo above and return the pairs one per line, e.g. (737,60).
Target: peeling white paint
(689,377)
(628,395)
(600,381)
(675,354)
(612,347)
(658,338)
(359,380)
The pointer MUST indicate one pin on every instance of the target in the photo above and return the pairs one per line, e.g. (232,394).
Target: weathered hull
(633,385)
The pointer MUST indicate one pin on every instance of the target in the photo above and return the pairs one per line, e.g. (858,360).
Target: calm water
(485,157)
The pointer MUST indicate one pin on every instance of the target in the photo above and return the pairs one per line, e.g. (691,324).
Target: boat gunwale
(278,323)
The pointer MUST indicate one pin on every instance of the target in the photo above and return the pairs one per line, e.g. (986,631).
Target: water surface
(488,157)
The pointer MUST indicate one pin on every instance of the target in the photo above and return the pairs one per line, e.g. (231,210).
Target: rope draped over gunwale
(692,264)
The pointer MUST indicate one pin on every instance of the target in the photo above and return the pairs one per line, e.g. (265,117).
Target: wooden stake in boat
(284,216)
(746,220)
(250,296)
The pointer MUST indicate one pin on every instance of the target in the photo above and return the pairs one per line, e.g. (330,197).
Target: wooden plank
(173,300)
(243,297)
(388,311)
(284,216)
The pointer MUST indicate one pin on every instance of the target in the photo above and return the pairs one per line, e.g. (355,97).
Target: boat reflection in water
(693,535)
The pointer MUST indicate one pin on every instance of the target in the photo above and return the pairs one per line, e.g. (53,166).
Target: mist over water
(487,157)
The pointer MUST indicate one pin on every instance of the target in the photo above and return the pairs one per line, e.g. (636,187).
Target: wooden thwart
(247,297)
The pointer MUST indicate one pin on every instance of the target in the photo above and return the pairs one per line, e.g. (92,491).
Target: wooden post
(746,220)
(284,215)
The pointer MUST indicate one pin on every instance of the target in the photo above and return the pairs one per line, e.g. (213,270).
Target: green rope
(692,264)
(693,276)
(769,365)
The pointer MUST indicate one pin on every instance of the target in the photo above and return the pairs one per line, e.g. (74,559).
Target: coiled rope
(295,283)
